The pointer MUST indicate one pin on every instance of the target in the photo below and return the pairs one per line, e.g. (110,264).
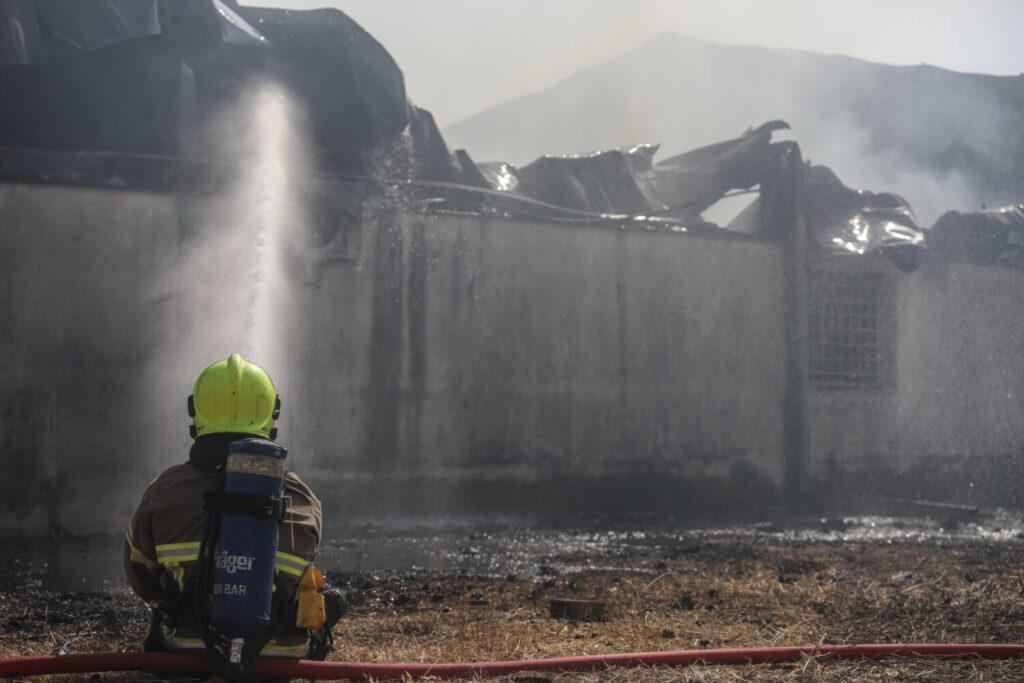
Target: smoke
(849,151)
(941,140)
(227,289)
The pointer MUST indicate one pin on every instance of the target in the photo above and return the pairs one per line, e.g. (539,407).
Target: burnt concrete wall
(77,321)
(497,367)
(946,424)
(453,365)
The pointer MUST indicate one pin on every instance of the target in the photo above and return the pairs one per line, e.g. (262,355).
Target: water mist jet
(228,288)
(271,184)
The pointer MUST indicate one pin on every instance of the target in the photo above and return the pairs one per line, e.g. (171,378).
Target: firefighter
(233,402)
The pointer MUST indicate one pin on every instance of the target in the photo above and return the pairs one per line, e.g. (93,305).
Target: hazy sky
(462,56)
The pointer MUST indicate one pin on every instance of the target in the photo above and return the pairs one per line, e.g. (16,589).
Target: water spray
(271,180)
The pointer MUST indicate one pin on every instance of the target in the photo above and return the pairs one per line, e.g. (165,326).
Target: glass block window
(843,326)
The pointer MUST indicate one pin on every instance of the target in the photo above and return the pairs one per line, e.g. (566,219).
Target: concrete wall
(454,365)
(585,368)
(948,422)
(77,322)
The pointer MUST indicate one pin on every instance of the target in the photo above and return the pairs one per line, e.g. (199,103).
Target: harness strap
(251,504)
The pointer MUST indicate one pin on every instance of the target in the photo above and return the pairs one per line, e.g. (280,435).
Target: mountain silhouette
(942,139)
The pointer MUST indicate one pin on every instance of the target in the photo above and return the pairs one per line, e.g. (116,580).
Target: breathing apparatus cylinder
(243,575)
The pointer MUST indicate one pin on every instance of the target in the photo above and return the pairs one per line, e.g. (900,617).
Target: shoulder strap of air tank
(254,505)
(216,644)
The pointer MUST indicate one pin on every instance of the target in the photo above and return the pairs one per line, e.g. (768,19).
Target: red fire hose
(150,661)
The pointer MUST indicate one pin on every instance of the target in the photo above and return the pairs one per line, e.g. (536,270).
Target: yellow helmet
(234,395)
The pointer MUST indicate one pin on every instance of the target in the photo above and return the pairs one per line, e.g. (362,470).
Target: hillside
(944,140)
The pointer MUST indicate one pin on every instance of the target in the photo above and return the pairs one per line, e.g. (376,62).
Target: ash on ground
(480,595)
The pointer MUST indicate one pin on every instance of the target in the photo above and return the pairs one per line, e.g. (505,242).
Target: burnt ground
(700,592)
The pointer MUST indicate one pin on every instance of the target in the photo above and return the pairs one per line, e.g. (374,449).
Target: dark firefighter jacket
(162,545)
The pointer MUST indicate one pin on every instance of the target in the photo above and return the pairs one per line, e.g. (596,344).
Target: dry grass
(730,593)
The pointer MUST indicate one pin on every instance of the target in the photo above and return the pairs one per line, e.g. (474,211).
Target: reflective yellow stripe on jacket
(290,564)
(171,555)
(136,554)
(174,553)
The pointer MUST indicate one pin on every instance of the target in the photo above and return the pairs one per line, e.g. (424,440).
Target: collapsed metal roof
(152,76)
(992,236)
(146,82)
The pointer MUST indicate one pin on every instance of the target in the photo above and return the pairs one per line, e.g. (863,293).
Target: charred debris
(132,94)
